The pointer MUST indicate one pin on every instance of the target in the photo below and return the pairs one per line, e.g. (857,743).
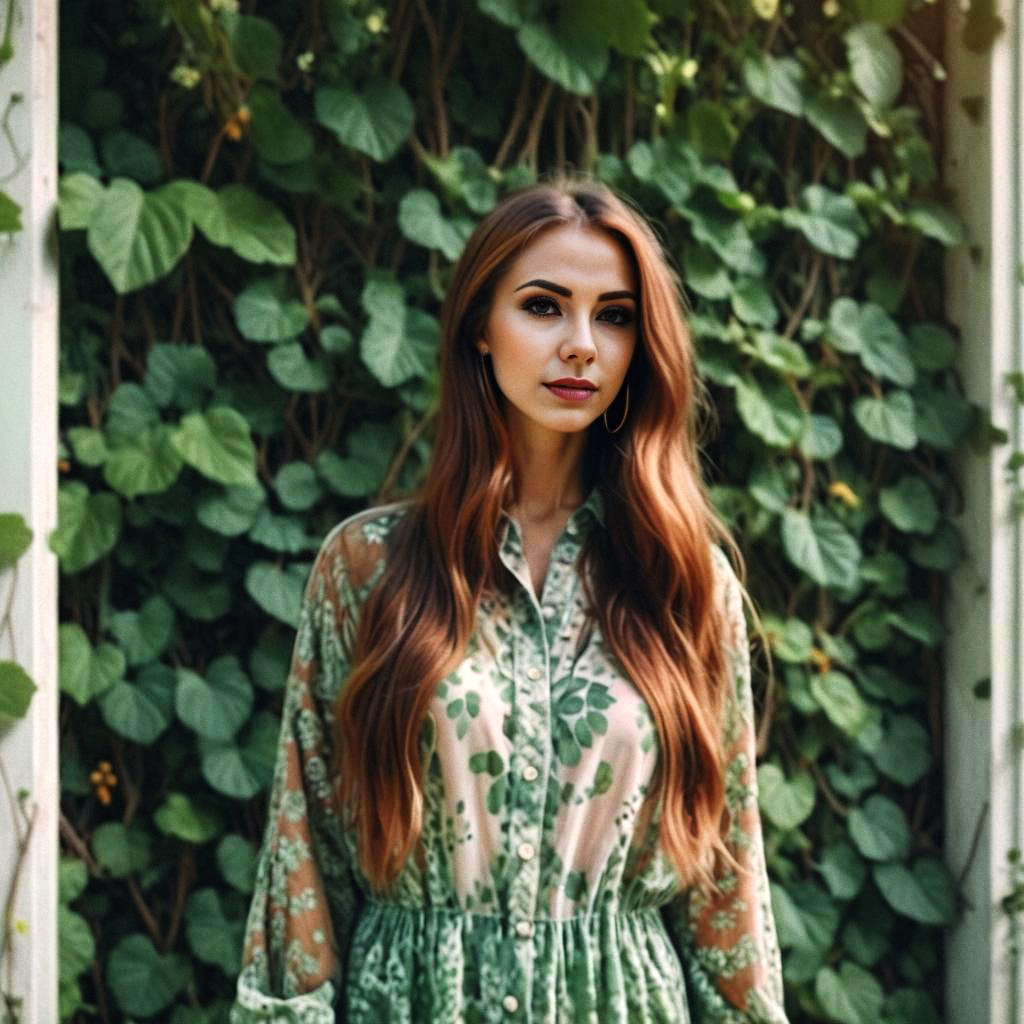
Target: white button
(530,773)
(524,928)
(549,611)
(525,851)
(534,673)
(510,1003)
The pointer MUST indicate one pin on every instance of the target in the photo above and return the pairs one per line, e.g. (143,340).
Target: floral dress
(537,751)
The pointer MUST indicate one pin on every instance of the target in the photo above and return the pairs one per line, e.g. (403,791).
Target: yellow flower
(830,8)
(689,69)
(765,8)
(844,493)
(820,659)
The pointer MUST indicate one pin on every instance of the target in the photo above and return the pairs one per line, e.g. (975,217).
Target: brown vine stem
(186,875)
(826,790)
(403,20)
(398,461)
(796,317)
(516,120)
(144,912)
(78,844)
(975,839)
(528,154)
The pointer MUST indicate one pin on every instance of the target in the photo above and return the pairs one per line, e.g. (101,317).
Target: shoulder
(353,552)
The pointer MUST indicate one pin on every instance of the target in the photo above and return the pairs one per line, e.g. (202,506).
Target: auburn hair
(649,578)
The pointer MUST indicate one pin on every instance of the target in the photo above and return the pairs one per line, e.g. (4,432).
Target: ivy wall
(260,207)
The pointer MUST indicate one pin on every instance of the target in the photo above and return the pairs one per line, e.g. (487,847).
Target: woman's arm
(727,943)
(305,902)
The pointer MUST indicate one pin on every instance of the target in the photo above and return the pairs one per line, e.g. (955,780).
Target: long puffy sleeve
(305,903)
(727,942)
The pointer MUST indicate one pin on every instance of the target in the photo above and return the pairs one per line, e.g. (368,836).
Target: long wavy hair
(649,576)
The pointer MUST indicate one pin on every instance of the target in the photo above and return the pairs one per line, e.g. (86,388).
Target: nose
(580,341)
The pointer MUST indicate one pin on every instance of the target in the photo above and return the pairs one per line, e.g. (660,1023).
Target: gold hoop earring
(624,412)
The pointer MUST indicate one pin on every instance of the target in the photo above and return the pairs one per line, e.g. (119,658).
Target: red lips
(573,382)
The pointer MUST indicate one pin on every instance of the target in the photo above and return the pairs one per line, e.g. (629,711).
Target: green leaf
(935,221)
(388,346)
(925,892)
(905,753)
(889,420)
(179,375)
(770,411)
(932,347)
(15,538)
(821,546)
(186,819)
(255,43)
(376,120)
(840,122)
(840,700)
(88,526)
(752,302)
(421,221)
(875,63)
(75,944)
(16,689)
(125,153)
(822,439)
(371,447)
(829,221)
(135,236)
(909,505)
(279,137)
(130,412)
(217,443)
(237,862)
(199,595)
(265,311)
(293,369)
(786,802)
(775,81)
(805,915)
(148,464)
(122,849)
(910,1006)
(236,217)
(218,706)
(77,197)
(75,149)
(626,24)
(573,61)
(85,673)
(278,592)
(214,936)
(10,214)
(243,767)
(297,486)
(89,445)
(844,870)
(851,996)
(231,511)
(140,710)
(143,981)
(879,829)
(870,332)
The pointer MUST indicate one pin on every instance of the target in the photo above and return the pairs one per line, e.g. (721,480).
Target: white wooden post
(28,482)
(984,754)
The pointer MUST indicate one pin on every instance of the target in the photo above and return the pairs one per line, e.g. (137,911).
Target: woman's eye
(624,314)
(529,304)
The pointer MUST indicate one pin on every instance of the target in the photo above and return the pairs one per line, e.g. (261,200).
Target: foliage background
(259,209)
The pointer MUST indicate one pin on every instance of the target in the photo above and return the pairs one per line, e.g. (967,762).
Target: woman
(490,804)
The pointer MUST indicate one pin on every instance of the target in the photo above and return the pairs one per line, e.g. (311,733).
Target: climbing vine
(260,208)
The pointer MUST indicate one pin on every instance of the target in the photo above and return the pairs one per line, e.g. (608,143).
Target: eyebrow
(567,292)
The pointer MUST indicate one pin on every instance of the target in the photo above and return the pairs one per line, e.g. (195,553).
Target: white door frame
(28,485)
(984,755)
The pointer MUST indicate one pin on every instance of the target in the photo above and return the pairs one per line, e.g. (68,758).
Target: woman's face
(566,308)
